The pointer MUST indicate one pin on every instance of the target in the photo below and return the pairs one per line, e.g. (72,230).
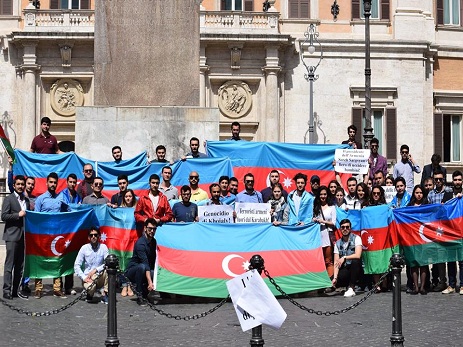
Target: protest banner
(247,212)
(353,161)
(215,214)
(389,193)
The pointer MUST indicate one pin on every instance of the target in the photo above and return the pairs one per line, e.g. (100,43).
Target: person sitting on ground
(347,259)
(140,269)
(185,211)
(90,266)
(278,204)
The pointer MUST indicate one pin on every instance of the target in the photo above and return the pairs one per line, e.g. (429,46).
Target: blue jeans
(136,274)
(452,272)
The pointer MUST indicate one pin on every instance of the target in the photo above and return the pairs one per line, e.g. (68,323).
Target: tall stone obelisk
(146,53)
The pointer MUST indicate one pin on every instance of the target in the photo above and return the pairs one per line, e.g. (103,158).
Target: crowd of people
(153,207)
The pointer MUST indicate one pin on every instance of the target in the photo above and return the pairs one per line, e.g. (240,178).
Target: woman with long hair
(129,199)
(418,272)
(377,196)
(339,196)
(333,186)
(402,197)
(325,214)
(278,204)
(363,194)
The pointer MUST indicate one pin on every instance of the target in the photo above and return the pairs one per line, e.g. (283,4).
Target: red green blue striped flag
(199,258)
(430,234)
(6,143)
(372,224)
(53,241)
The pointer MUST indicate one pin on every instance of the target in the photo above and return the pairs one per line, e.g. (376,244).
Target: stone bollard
(112,263)
(397,263)
(257,262)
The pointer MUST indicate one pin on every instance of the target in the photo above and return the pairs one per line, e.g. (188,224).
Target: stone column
(272,111)
(203,69)
(29,69)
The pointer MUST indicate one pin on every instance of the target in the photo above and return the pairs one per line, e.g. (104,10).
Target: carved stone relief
(235,99)
(65,95)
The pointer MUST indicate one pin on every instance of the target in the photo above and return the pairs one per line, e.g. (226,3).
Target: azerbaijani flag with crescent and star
(372,224)
(7,144)
(430,234)
(260,158)
(53,241)
(199,258)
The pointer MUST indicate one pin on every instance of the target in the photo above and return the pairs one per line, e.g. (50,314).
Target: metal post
(257,262)
(311,40)
(368,131)
(397,339)
(112,263)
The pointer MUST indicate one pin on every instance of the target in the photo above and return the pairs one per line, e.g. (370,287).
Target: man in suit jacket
(13,212)
(428,170)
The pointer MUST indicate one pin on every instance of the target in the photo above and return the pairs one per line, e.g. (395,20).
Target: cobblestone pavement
(432,320)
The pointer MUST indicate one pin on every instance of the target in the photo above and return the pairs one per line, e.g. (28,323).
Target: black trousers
(349,274)
(14,265)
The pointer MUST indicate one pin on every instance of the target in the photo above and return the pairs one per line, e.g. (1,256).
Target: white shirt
(357,242)
(90,259)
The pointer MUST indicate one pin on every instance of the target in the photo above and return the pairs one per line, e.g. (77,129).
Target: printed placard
(389,193)
(353,161)
(250,212)
(215,214)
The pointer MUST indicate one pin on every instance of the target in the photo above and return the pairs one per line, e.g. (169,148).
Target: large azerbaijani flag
(260,158)
(430,234)
(118,233)
(6,143)
(53,241)
(372,224)
(199,258)
(209,169)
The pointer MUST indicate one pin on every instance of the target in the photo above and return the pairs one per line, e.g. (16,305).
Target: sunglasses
(374,146)
(376,193)
(249,181)
(344,227)
(194,177)
(404,152)
(97,184)
(438,179)
(88,171)
(150,228)
(93,235)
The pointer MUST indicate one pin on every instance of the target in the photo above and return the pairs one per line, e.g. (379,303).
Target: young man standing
(299,210)
(194,150)
(44,143)
(13,211)
(85,187)
(274,177)
(249,194)
(69,195)
(351,132)
(197,194)
(406,168)
(123,183)
(185,210)
(97,198)
(214,189)
(153,204)
(376,161)
(233,186)
(117,154)
(168,189)
(235,130)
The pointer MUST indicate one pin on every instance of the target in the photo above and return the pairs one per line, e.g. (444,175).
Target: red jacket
(144,209)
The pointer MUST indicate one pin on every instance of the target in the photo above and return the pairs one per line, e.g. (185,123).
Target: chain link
(55,310)
(170,315)
(327,313)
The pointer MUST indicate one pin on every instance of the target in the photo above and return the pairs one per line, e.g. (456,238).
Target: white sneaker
(449,290)
(73,292)
(349,293)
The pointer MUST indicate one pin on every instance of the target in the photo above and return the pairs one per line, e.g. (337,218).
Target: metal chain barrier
(327,313)
(170,315)
(53,311)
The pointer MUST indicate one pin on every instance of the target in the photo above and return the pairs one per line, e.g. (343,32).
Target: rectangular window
(379,9)
(451,129)
(299,8)
(6,7)
(452,12)
(70,4)
(237,5)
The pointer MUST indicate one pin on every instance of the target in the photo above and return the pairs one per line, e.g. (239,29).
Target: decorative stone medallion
(65,95)
(235,99)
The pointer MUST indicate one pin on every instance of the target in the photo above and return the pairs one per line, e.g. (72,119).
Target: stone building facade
(250,68)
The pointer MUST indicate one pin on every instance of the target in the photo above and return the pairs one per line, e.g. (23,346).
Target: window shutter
(438,134)
(304,9)
(249,5)
(7,7)
(355,9)
(357,114)
(461,13)
(85,4)
(440,12)
(391,133)
(385,10)
(54,4)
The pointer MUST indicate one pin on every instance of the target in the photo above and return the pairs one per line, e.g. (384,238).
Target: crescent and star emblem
(421,234)
(55,241)
(226,264)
